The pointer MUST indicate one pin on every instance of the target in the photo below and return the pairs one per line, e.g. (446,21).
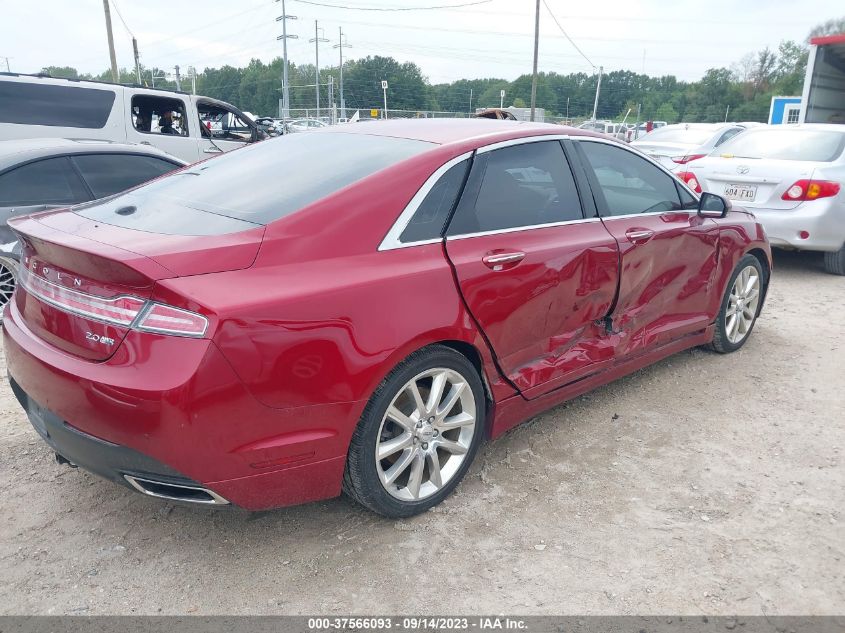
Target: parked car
(41,174)
(792,178)
(495,113)
(272,126)
(643,128)
(43,107)
(676,145)
(304,125)
(365,324)
(616,130)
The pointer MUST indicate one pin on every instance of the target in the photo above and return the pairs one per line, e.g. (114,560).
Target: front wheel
(418,434)
(740,306)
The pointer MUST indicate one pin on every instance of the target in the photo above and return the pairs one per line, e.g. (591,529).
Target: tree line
(742,92)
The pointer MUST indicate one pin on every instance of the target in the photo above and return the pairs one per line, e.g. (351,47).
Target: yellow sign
(374,113)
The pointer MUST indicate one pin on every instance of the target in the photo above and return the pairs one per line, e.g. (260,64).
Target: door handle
(497,261)
(639,236)
(146,143)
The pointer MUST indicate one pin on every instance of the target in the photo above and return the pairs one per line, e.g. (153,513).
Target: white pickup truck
(186,126)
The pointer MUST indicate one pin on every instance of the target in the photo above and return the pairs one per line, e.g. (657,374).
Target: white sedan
(791,177)
(676,145)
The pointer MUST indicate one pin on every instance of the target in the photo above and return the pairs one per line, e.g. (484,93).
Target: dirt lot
(703,484)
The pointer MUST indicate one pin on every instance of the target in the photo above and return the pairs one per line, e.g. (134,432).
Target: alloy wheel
(425,434)
(7,284)
(742,304)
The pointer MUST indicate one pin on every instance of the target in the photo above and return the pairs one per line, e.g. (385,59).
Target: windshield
(266,181)
(785,144)
(691,136)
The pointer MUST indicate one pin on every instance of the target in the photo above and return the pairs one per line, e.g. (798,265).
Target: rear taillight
(124,311)
(811,190)
(691,180)
(683,160)
(166,319)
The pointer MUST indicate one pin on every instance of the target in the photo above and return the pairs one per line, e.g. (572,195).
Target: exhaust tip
(175,492)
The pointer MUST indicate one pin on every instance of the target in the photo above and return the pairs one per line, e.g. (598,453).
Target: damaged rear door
(537,269)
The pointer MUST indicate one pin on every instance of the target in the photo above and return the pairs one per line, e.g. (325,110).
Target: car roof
(446,131)
(21,150)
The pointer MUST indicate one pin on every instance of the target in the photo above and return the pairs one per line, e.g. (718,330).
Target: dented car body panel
(309,313)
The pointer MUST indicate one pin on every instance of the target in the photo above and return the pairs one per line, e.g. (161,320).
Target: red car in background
(358,308)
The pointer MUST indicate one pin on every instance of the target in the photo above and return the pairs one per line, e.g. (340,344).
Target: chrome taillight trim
(135,323)
(81,297)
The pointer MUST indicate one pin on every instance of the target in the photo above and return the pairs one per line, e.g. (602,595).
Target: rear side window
(433,212)
(523,185)
(110,173)
(266,181)
(789,144)
(50,182)
(629,183)
(58,106)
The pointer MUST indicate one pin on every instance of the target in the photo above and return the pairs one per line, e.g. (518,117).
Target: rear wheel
(8,280)
(740,306)
(834,262)
(418,434)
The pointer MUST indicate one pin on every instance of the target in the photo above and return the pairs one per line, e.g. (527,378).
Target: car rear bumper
(171,409)
(823,220)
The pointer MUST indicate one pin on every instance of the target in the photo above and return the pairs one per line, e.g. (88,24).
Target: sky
(490,39)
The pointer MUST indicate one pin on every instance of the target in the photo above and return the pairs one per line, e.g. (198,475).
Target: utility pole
(536,50)
(501,99)
(598,90)
(331,100)
(137,60)
(178,79)
(8,69)
(340,45)
(285,113)
(193,71)
(317,39)
(114,76)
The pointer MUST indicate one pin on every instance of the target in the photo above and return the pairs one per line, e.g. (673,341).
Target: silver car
(791,177)
(673,146)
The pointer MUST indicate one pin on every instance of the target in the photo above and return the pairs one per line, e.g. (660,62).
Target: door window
(110,173)
(628,183)
(432,214)
(523,185)
(159,115)
(224,124)
(50,182)
(28,103)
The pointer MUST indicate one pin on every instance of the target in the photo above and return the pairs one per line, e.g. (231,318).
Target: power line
(566,35)
(114,4)
(390,9)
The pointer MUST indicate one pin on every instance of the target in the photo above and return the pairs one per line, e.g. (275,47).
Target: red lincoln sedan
(356,309)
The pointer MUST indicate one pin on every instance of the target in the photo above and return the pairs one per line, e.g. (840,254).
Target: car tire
(423,452)
(8,281)
(740,306)
(834,263)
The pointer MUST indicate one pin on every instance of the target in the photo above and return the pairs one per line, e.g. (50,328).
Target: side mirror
(712,206)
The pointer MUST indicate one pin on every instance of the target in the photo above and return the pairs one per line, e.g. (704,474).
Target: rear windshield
(58,106)
(692,136)
(266,181)
(796,144)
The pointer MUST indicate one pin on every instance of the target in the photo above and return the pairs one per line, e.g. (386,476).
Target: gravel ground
(704,484)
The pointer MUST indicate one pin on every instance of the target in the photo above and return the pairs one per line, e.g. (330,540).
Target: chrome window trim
(516,229)
(391,241)
(522,141)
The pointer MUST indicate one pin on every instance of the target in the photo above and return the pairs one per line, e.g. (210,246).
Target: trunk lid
(663,152)
(82,281)
(754,183)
